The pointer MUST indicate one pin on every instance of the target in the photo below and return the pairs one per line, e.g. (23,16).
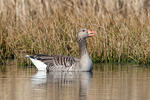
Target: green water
(107,82)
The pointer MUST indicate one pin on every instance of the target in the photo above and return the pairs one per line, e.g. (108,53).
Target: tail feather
(39,64)
(27,56)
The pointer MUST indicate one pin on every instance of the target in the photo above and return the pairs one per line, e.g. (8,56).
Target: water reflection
(63,85)
(108,82)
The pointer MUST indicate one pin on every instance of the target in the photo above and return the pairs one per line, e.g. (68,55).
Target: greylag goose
(66,63)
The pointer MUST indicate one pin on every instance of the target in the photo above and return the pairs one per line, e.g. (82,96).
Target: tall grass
(50,27)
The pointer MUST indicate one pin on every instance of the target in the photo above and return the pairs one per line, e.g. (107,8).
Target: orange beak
(91,33)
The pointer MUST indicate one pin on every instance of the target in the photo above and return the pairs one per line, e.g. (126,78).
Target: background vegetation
(50,26)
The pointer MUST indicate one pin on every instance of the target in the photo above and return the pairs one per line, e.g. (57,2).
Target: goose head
(85,33)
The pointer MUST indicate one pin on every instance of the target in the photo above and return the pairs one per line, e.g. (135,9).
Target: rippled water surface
(106,82)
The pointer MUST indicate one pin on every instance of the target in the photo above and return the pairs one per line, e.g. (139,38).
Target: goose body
(66,63)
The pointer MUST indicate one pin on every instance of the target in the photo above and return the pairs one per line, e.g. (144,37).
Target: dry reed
(50,26)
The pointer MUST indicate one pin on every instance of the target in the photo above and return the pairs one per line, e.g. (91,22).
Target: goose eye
(83,30)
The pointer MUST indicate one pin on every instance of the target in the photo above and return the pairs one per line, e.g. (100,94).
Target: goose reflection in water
(62,85)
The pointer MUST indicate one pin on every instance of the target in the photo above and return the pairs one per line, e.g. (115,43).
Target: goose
(67,63)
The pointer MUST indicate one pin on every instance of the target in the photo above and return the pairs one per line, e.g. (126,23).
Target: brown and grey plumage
(66,63)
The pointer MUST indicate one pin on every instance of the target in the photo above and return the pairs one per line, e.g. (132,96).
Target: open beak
(91,33)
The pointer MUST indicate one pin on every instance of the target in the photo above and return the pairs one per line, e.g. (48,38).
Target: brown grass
(50,26)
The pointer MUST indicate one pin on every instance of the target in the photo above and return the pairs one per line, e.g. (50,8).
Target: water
(107,82)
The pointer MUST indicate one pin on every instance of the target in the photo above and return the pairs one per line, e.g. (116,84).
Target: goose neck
(83,47)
